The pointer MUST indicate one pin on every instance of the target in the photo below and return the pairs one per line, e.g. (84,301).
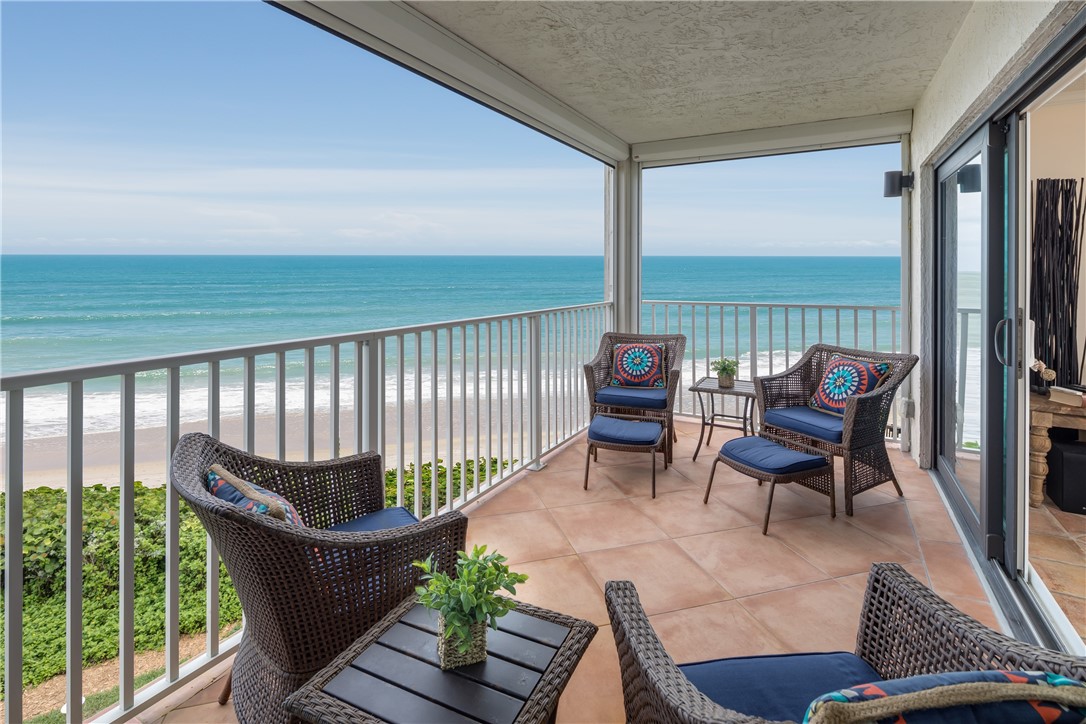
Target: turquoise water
(64,311)
(61,311)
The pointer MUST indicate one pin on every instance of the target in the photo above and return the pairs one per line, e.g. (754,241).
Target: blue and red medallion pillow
(845,377)
(248,496)
(638,365)
(957,697)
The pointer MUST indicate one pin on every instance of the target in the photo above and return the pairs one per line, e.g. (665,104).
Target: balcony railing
(493,392)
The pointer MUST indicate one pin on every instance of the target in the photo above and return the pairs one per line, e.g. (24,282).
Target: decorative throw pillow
(959,697)
(845,377)
(638,365)
(249,496)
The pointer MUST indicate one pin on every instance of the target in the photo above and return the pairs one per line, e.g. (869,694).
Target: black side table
(391,673)
(708,386)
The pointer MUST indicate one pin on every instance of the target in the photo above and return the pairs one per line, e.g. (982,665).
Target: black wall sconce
(894,181)
(969,181)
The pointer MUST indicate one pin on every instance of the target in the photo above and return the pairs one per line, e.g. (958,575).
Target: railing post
(74,552)
(367,400)
(13,559)
(535,393)
(754,341)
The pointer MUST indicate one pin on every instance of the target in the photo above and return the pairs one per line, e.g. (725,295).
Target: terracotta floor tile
(1061,577)
(530,536)
(665,576)
(566,487)
(683,513)
(202,714)
(950,571)
(563,584)
(834,545)
(1041,520)
(634,479)
(932,522)
(815,617)
(594,693)
(890,524)
(570,457)
(1074,608)
(1072,522)
(516,499)
(745,562)
(857,581)
(750,499)
(716,631)
(1056,548)
(610,524)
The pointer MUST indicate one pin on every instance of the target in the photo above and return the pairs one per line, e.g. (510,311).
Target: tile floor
(1057,550)
(712,584)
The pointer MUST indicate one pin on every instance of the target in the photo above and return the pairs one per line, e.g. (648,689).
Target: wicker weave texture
(863,441)
(905,630)
(307,593)
(597,375)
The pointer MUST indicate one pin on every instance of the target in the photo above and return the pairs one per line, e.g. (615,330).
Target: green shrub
(45,528)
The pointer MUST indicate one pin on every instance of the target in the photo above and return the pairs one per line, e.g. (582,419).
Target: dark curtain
(1057,253)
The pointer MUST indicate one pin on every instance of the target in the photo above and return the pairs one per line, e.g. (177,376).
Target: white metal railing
(767,338)
(504,388)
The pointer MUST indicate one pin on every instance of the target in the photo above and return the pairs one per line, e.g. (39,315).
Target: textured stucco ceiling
(648,71)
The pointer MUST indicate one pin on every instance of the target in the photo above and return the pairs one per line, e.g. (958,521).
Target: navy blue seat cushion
(646,398)
(624,432)
(378,520)
(806,421)
(762,454)
(777,687)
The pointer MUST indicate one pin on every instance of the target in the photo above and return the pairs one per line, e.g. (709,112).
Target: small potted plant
(726,368)
(467,604)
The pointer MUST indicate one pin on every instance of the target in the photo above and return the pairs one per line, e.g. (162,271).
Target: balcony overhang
(676,81)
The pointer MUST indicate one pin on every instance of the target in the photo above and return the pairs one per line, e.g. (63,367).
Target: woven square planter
(447,654)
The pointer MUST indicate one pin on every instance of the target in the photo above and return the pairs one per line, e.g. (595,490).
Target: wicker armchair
(905,630)
(597,375)
(307,593)
(862,431)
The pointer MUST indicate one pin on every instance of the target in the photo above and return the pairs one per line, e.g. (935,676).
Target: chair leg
(654,471)
(587,462)
(848,485)
(897,487)
(833,494)
(224,695)
(768,506)
(712,472)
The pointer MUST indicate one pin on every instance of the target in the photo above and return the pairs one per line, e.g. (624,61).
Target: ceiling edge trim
(838,133)
(405,36)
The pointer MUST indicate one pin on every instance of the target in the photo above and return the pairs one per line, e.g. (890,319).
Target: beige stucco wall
(995,42)
(1057,149)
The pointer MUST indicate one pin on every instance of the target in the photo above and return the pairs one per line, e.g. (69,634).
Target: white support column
(623,248)
(906,395)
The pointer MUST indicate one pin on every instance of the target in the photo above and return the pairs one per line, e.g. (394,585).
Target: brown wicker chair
(862,442)
(597,375)
(307,593)
(905,630)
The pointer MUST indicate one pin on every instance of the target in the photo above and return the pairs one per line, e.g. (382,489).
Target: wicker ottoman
(610,432)
(764,459)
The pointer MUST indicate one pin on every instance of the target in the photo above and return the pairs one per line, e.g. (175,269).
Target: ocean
(63,311)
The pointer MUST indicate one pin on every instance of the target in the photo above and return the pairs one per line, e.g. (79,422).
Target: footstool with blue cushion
(764,459)
(609,432)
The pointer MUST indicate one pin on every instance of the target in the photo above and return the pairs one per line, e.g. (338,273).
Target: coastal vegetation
(44,562)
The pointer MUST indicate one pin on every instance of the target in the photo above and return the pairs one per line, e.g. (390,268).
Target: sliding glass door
(974,338)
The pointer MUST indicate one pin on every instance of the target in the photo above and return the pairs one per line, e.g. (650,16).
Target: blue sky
(233,127)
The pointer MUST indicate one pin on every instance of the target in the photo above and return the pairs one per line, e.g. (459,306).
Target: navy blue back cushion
(645,398)
(378,520)
(808,422)
(777,687)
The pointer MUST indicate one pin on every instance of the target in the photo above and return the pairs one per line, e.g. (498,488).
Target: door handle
(1000,353)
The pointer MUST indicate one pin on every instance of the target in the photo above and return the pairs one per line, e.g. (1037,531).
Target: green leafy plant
(471,597)
(725,366)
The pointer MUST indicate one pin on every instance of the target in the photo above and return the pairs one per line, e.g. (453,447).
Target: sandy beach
(45,459)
